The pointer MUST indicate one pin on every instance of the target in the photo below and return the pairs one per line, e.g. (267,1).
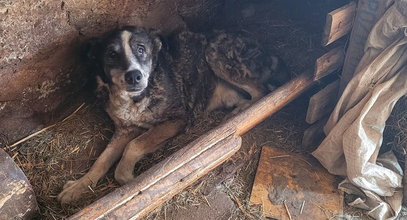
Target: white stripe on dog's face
(128,52)
(135,63)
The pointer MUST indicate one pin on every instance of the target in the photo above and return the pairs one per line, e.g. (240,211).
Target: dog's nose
(133,77)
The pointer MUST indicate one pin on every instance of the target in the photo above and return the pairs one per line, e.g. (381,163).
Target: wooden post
(176,172)
(367,14)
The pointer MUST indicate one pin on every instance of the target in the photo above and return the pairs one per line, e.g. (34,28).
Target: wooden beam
(322,102)
(329,62)
(270,104)
(165,188)
(367,14)
(338,23)
(176,172)
(314,135)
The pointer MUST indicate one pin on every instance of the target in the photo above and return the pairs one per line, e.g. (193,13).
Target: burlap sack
(355,128)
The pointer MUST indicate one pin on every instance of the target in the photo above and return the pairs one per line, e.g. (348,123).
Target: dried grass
(61,152)
(395,133)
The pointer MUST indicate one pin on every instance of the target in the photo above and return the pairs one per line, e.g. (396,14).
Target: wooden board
(367,14)
(287,181)
(322,103)
(314,135)
(191,162)
(338,23)
(329,62)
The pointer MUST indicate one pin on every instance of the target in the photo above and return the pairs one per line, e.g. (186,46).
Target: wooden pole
(181,169)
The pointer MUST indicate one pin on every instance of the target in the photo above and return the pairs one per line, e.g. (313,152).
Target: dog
(154,90)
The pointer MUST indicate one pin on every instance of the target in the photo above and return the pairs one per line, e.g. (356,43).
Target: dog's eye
(112,54)
(140,49)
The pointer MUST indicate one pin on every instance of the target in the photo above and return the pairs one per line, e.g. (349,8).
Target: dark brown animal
(155,91)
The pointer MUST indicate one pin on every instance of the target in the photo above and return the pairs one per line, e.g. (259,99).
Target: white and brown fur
(154,92)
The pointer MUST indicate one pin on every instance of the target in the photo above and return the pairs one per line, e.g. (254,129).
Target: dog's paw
(72,191)
(123,176)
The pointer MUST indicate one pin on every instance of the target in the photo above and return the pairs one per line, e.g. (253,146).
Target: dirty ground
(66,150)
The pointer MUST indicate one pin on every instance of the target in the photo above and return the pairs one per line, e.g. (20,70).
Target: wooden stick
(136,203)
(186,175)
(302,207)
(176,172)
(270,104)
(288,211)
(241,207)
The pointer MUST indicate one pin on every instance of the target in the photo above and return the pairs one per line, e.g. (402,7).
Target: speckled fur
(194,76)
(191,76)
(159,103)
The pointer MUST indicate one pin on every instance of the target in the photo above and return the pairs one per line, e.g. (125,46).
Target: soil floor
(66,150)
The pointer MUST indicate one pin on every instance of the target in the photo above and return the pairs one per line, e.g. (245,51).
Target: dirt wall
(40,64)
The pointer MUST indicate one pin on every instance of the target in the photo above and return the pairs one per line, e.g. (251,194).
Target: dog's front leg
(74,189)
(146,143)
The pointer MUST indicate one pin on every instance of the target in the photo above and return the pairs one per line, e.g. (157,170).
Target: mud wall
(40,42)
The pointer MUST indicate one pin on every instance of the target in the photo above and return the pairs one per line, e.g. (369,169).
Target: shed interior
(291,29)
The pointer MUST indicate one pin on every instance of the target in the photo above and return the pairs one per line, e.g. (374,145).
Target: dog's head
(125,59)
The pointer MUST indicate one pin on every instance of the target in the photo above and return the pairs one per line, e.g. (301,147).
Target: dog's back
(193,78)
(228,70)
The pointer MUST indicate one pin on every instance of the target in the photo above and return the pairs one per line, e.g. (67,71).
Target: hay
(61,152)
(11,147)
(395,133)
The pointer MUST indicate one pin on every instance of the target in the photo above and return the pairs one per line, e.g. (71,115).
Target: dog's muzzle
(133,77)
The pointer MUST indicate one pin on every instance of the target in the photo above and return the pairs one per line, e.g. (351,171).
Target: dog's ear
(158,43)
(92,49)
(157,40)
(93,52)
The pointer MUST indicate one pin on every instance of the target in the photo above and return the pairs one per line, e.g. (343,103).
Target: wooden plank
(338,23)
(150,183)
(329,62)
(291,186)
(367,14)
(322,103)
(314,135)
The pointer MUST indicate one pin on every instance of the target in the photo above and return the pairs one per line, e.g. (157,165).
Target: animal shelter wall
(40,61)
